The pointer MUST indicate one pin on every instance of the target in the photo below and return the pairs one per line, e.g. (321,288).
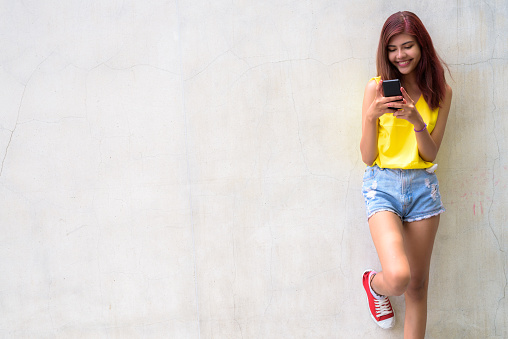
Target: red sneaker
(380,310)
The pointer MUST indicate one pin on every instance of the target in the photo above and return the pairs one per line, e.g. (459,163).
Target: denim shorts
(412,194)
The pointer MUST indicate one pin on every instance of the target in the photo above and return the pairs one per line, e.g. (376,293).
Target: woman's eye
(408,47)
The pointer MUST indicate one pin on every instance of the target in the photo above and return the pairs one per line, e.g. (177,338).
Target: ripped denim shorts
(412,194)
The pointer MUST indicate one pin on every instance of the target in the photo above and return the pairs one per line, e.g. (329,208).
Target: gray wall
(175,169)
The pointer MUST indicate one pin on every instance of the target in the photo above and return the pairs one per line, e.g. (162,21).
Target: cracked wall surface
(177,169)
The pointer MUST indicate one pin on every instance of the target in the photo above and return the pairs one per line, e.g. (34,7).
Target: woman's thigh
(419,239)
(387,233)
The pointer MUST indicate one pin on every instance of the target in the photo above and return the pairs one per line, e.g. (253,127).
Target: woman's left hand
(409,112)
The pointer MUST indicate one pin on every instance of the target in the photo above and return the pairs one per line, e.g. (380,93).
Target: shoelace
(383,307)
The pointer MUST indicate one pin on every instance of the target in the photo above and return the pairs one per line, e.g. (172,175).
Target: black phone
(391,88)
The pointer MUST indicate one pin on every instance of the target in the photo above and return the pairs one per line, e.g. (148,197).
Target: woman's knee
(417,288)
(397,279)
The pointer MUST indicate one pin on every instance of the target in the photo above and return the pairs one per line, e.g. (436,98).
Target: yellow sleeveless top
(397,147)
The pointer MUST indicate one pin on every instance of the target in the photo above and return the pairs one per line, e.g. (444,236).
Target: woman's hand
(380,105)
(408,111)
(374,106)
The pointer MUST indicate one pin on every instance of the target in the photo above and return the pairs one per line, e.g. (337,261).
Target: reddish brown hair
(429,71)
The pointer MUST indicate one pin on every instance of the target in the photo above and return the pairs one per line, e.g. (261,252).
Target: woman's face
(404,53)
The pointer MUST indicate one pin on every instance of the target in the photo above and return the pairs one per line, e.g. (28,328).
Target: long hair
(430,75)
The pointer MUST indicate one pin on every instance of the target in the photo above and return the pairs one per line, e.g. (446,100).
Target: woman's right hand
(380,105)
(375,104)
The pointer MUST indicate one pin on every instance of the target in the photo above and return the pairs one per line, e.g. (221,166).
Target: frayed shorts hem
(426,216)
(383,210)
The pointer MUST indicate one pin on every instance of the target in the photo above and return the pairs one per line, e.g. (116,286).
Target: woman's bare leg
(419,241)
(388,236)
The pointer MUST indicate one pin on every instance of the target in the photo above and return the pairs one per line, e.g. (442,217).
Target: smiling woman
(401,136)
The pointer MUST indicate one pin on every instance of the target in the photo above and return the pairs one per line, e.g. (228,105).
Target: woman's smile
(403,63)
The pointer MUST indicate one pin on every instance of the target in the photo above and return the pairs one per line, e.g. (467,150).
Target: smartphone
(391,88)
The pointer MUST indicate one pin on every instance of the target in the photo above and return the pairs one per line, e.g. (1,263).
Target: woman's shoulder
(448,96)
(372,85)
(447,100)
(448,91)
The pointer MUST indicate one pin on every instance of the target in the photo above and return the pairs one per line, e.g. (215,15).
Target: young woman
(400,140)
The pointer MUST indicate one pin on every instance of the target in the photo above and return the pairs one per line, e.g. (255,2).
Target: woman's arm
(428,144)
(438,131)
(374,106)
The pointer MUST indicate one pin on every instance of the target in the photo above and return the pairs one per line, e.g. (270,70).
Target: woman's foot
(380,307)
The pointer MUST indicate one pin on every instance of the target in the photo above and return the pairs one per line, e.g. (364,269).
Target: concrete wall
(185,169)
